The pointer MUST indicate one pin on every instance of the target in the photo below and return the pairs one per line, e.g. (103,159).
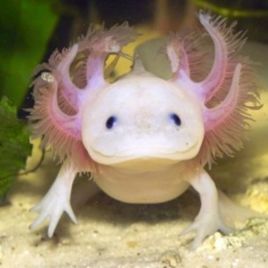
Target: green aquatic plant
(25,30)
(14,146)
(235,9)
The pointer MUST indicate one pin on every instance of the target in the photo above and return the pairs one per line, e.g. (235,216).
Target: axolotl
(143,138)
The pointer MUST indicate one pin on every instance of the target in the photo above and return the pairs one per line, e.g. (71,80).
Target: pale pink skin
(145,157)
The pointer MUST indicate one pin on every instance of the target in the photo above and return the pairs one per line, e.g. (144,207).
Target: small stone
(210,257)
(132,244)
(220,242)
(171,259)
(48,77)
(235,263)
(65,241)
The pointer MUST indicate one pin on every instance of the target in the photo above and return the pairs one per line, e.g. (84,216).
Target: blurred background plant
(14,146)
(25,28)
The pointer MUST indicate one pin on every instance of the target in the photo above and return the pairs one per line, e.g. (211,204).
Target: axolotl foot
(216,209)
(204,225)
(56,201)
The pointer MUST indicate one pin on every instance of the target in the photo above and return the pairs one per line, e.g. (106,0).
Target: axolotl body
(143,138)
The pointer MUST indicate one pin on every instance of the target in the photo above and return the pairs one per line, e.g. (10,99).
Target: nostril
(175,119)
(110,122)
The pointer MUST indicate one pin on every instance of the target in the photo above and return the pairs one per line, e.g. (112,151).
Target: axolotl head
(142,118)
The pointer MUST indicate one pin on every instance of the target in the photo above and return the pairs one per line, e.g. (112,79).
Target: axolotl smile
(142,118)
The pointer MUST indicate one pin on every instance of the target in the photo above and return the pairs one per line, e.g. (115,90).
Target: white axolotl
(143,138)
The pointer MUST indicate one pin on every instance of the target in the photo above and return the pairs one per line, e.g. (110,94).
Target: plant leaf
(14,146)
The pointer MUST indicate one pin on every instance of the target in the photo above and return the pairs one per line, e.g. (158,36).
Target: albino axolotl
(143,138)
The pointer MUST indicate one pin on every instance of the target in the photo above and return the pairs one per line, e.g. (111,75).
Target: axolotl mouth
(144,151)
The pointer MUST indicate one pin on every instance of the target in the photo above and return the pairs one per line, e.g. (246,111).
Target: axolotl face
(142,118)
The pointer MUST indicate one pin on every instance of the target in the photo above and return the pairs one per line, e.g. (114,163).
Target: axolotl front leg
(209,218)
(57,200)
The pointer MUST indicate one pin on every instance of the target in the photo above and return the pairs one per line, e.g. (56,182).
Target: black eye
(110,122)
(175,119)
